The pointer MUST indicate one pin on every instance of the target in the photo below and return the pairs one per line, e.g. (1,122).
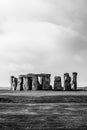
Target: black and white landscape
(39,38)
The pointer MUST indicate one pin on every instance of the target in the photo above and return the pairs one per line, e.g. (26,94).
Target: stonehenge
(42,81)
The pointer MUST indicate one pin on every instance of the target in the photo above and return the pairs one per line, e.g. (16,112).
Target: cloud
(42,36)
(24,10)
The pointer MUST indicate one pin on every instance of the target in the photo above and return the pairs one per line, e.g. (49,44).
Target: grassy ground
(43,110)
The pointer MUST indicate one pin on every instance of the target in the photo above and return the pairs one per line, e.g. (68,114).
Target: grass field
(43,110)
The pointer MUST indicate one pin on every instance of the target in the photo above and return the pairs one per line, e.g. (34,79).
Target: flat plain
(43,110)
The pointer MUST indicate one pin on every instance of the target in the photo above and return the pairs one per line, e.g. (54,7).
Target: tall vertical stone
(11,82)
(74,81)
(20,83)
(14,83)
(57,83)
(35,84)
(26,83)
(46,82)
(40,81)
(67,82)
(30,83)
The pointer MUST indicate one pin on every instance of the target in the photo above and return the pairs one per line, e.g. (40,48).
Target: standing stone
(74,81)
(14,84)
(46,82)
(57,83)
(67,82)
(26,83)
(35,83)
(11,82)
(30,83)
(20,83)
(40,82)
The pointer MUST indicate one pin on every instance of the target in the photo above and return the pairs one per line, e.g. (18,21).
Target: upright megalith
(30,83)
(57,83)
(67,82)
(13,83)
(25,82)
(45,80)
(20,83)
(40,81)
(35,83)
(74,81)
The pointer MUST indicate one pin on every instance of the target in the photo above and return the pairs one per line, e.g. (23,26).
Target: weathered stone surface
(20,83)
(30,83)
(25,83)
(57,83)
(46,82)
(40,80)
(13,83)
(16,82)
(67,82)
(74,81)
(35,83)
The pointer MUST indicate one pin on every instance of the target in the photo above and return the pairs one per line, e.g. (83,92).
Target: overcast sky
(43,36)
